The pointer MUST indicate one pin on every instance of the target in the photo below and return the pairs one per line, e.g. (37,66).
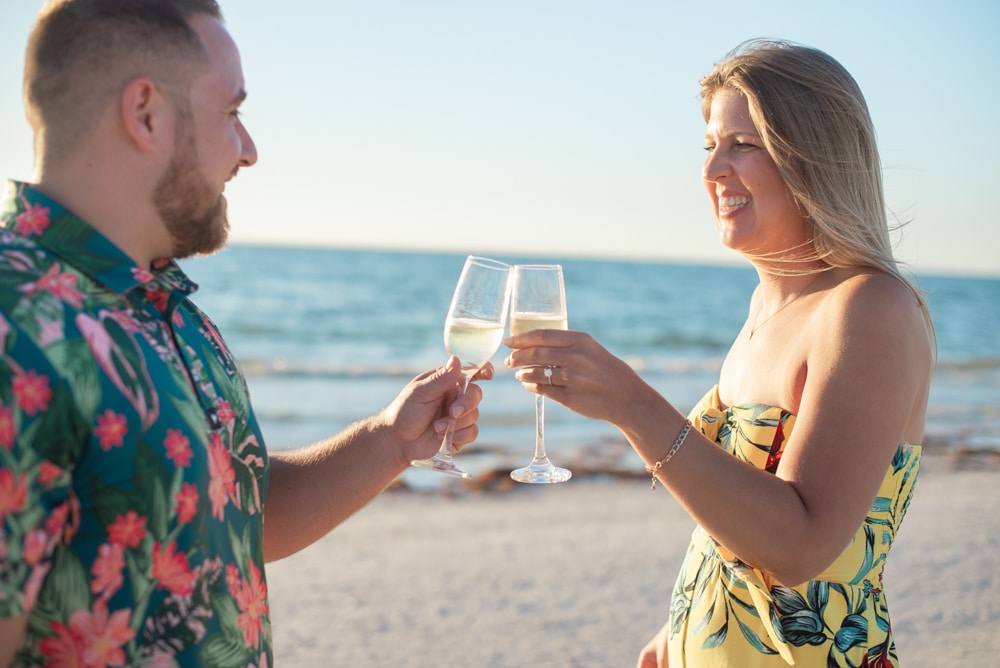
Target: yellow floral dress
(727,613)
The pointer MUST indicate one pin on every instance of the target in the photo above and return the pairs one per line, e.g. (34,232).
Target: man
(135,487)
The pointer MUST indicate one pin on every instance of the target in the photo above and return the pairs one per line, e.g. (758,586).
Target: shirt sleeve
(37,508)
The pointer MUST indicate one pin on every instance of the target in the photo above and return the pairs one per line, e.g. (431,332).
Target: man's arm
(11,637)
(314,489)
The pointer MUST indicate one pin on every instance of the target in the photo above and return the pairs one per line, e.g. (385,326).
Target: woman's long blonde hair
(815,124)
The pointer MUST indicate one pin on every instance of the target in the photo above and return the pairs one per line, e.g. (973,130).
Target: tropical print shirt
(132,469)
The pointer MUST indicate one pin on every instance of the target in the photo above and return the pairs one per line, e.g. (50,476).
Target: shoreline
(580,574)
(614,460)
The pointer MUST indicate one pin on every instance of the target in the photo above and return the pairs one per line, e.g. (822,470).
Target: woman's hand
(573,369)
(654,654)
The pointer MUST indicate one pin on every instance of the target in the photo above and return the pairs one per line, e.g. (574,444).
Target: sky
(570,127)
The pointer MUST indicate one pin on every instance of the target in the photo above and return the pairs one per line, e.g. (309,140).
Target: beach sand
(580,574)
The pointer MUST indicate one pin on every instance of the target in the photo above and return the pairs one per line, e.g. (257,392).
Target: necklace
(758,325)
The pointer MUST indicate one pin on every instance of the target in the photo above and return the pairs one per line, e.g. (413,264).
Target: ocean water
(326,337)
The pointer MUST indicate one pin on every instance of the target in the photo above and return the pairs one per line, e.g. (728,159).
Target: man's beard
(195,215)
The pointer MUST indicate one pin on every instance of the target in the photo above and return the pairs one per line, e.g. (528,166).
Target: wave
(355,369)
(281,367)
(970,364)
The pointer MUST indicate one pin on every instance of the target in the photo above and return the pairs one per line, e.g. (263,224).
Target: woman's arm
(868,360)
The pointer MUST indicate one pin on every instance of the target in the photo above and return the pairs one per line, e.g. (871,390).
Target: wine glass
(473,330)
(538,302)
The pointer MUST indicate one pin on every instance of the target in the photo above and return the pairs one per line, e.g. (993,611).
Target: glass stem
(445,451)
(540,456)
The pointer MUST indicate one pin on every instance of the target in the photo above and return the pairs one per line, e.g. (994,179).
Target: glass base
(441,465)
(541,474)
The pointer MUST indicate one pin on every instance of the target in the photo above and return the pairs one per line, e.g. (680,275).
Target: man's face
(210,146)
(193,211)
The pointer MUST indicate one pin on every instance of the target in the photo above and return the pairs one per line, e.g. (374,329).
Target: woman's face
(754,210)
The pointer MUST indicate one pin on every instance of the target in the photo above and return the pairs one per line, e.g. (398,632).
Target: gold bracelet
(652,469)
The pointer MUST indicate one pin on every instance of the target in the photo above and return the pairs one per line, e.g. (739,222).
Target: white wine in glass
(525,322)
(473,330)
(538,301)
(472,341)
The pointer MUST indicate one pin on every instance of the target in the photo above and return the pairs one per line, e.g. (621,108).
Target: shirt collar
(29,213)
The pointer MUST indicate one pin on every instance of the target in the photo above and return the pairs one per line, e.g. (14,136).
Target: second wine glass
(473,330)
(539,302)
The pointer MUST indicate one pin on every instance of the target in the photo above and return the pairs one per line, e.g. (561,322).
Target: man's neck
(111,205)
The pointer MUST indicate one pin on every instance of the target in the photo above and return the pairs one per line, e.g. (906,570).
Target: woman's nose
(715,167)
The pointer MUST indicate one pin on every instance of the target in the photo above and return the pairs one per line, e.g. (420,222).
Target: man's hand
(419,416)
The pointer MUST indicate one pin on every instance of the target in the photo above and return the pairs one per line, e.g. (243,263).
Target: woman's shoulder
(860,291)
(874,307)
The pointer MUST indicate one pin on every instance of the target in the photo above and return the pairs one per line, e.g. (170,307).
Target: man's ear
(147,115)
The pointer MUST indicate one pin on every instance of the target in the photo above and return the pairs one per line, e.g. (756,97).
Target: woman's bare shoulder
(868,292)
(875,310)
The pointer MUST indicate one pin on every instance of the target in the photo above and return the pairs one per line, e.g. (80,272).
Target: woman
(800,463)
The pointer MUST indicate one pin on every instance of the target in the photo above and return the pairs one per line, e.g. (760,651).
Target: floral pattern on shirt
(132,469)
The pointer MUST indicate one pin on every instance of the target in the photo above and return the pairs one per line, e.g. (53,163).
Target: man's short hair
(81,53)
